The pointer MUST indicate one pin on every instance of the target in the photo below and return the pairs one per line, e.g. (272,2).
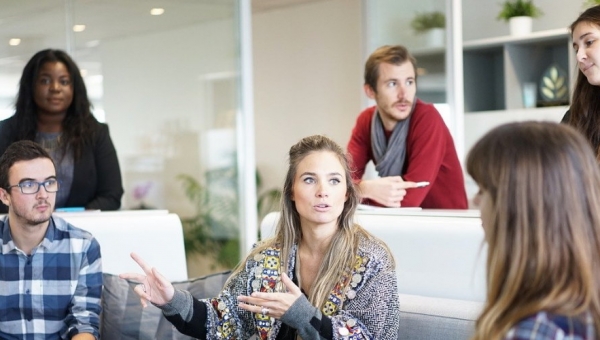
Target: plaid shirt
(55,292)
(546,326)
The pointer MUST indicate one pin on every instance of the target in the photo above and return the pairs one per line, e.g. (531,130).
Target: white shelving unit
(495,69)
(431,81)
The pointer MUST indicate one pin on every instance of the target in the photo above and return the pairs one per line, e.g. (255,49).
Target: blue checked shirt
(546,326)
(55,292)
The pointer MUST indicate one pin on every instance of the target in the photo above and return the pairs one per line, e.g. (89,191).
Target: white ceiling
(42,24)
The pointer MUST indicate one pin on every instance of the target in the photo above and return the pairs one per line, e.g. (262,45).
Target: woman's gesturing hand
(271,304)
(153,286)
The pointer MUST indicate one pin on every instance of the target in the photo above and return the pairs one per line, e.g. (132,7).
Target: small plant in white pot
(519,15)
(433,25)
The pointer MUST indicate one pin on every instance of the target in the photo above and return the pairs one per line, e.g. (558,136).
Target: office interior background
(170,85)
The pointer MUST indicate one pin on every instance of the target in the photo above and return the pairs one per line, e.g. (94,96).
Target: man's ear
(369,91)
(4,197)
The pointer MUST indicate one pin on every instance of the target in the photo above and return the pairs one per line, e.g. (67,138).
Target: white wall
(479,17)
(307,78)
(308,69)
(393,18)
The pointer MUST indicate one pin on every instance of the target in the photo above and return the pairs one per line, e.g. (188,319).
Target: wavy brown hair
(542,224)
(585,104)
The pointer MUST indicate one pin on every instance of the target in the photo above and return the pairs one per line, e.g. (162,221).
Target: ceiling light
(78,28)
(14,41)
(83,72)
(157,11)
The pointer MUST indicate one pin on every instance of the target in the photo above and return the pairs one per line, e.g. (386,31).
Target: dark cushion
(123,316)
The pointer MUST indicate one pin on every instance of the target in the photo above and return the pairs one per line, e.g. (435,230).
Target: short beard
(30,221)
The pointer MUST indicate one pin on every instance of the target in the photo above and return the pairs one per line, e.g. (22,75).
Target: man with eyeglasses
(50,271)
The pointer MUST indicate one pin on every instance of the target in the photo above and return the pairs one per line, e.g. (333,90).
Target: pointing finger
(145,267)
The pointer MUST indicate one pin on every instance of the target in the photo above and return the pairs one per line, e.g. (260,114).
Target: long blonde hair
(542,225)
(341,254)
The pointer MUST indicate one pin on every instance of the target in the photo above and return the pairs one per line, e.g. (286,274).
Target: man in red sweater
(406,138)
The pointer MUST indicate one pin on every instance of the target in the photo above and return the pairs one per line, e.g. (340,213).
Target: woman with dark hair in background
(53,109)
(584,113)
(539,199)
(320,277)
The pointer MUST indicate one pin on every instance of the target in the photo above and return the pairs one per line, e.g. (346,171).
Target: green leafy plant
(423,22)
(213,229)
(267,201)
(591,3)
(518,8)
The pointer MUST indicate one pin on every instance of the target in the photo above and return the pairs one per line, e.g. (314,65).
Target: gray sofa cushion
(123,316)
(430,318)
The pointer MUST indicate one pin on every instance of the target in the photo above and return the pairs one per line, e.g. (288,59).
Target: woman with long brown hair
(584,113)
(540,207)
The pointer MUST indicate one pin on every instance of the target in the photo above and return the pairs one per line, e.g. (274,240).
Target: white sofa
(156,235)
(440,263)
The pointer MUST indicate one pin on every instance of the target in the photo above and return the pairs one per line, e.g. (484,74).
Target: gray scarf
(389,157)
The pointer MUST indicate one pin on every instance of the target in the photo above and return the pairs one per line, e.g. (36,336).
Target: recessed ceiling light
(78,28)
(83,72)
(14,41)
(157,11)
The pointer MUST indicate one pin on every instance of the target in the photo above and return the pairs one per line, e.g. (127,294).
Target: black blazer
(96,175)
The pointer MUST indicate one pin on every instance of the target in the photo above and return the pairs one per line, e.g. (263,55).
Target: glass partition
(166,81)
(420,26)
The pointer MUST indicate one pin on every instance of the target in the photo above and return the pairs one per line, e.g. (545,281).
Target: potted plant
(213,229)
(590,3)
(519,14)
(432,24)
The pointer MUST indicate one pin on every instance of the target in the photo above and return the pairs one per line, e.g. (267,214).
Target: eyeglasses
(32,187)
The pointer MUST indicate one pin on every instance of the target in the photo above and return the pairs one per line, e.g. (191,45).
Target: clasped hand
(387,191)
(271,304)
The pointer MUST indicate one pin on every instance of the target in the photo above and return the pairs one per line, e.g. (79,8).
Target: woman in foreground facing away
(320,277)
(539,200)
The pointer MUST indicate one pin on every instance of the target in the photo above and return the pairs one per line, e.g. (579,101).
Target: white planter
(435,37)
(520,25)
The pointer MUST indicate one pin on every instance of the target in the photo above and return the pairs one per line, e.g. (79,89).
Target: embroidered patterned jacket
(363,306)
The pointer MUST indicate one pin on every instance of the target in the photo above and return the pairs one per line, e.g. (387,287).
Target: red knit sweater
(430,156)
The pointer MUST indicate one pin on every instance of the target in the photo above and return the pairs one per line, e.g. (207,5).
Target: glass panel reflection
(167,86)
